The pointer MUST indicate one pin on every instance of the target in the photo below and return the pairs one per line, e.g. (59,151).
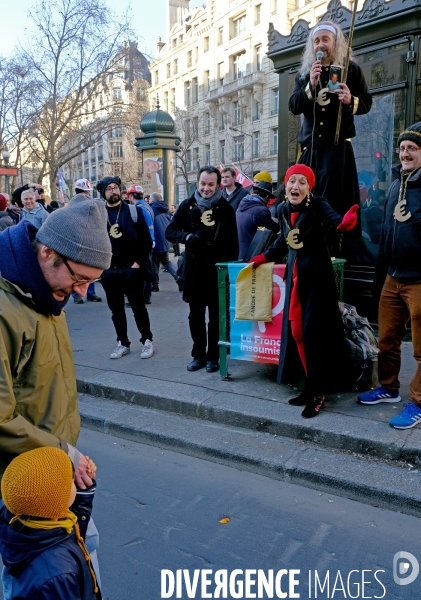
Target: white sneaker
(120,351)
(147,350)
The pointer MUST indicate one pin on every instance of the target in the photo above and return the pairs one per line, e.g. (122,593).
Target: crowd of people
(48,541)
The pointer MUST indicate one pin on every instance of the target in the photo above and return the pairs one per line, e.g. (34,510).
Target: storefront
(386,46)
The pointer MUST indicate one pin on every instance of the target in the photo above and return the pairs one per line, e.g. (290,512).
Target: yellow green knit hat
(263,176)
(38,483)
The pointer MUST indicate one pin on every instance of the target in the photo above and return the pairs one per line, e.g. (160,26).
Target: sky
(149,22)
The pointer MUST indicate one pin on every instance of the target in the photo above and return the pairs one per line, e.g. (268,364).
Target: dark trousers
(399,302)
(176,248)
(197,323)
(163,259)
(120,282)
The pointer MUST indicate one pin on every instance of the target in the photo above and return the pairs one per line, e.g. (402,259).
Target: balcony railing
(237,84)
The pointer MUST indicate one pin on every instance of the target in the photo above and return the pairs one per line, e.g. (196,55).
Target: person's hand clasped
(344,94)
(193,239)
(82,477)
(315,72)
(259,259)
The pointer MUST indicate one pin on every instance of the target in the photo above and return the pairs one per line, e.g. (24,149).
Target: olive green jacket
(38,396)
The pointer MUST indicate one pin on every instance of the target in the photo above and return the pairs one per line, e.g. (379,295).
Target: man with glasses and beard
(398,281)
(131,244)
(39,269)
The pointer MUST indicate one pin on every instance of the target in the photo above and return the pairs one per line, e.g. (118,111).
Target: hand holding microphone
(316,69)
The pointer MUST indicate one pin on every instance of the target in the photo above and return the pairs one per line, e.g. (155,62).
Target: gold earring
(308,199)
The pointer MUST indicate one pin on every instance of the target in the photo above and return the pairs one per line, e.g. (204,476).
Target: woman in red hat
(312,331)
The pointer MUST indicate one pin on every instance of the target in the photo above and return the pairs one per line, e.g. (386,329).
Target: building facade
(213,76)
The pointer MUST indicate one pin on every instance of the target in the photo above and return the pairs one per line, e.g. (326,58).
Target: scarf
(68,524)
(207,203)
(19,265)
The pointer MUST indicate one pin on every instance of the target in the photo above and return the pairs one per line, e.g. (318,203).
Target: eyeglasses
(112,188)
(410,149)
(76,279)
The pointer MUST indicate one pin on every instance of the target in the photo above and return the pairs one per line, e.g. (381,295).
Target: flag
(61,184)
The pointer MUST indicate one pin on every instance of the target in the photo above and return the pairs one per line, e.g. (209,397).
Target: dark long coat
(218,243)
(323,332)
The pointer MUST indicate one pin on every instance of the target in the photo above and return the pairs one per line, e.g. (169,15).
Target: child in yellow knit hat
(41,543)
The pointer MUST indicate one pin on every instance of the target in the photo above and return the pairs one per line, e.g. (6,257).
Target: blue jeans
(91,542)
(164,259)
(91,291)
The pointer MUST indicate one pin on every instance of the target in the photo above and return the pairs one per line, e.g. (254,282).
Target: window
(258,57)
(117,150)
(239,148)
(222,151)
(117,94)
(116,132)
(207,154)
(140,94)
(221,73)
(195,123)
(166,106)
(239,64)
(206,44)
(175,66)
(274,140)
(187,93)
(239,25)
(196,55)
(100,153)
(256,144)
(238,118)
(181,38)
(195,89)
(188,160)
(187,128)
(120,75)
(156,77)
(256,111)
(206,81)
(257,14)
(273,7)
(174,43)
(196,161)
(168,69)
(207,122)
(137,74)
(275,101)
(172,99)
(189,58)
(221,122)
(220,36)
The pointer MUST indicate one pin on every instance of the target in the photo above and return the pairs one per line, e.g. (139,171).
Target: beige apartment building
(213,76)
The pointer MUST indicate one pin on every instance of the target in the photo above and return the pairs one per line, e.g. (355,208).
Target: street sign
(11,171)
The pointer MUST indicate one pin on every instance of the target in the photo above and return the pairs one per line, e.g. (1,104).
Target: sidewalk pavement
(349,448)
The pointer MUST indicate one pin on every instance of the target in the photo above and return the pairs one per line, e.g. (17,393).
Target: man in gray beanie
(39,269)
(398,281)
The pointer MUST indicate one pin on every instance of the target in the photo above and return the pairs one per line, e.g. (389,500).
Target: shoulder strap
(133,212)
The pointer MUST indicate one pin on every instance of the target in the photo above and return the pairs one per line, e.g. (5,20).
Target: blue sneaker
(407,418)
(379,395)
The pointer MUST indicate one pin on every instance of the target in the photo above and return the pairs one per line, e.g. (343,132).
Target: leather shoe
(212,366)
(94,298)
(195,365)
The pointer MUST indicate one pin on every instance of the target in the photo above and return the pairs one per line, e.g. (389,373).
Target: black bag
(181,267)
(362,348)
(263,238)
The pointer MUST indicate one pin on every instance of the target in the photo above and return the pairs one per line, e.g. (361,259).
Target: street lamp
(249,135)
(6,156)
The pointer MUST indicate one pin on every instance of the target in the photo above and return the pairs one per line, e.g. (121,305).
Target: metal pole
(350,36)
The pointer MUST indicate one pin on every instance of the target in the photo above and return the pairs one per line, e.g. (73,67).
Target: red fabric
(260,259)
(3,202)
(301,170)
(297,334)
(349,219)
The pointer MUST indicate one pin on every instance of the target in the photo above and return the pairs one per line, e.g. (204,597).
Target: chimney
(159,45)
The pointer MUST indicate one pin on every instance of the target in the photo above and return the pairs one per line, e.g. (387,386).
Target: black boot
(313,407)
(300,400)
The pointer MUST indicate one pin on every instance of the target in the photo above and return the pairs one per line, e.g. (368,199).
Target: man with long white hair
(334,165)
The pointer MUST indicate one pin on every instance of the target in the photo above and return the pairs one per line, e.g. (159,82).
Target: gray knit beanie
(411,133)
(79,232)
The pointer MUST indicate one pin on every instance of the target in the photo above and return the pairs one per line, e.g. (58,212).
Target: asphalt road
(158,510)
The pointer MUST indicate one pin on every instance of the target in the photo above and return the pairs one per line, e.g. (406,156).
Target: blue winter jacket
(149,217)
(251,214)
(48,564)
(161,221)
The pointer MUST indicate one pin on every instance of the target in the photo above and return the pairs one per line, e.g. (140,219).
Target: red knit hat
(3,202)
(301,170)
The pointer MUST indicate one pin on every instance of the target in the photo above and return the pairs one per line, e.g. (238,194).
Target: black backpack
(362,348)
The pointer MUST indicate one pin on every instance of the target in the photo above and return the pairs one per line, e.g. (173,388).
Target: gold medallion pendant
(323,97)
(207,218)
(292,239)
(114,231)
(399,212)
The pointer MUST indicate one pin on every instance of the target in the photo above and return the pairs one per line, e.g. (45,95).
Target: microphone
(319,55)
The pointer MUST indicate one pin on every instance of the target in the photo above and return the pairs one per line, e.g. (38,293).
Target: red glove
(260,259)
(349,220)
